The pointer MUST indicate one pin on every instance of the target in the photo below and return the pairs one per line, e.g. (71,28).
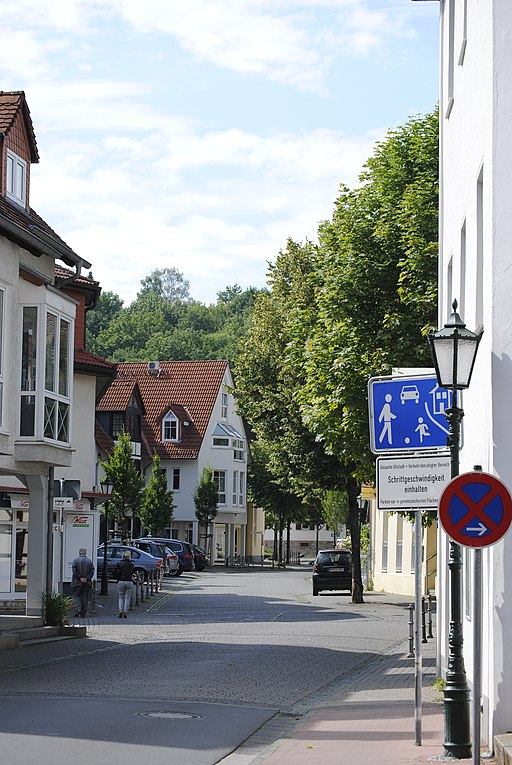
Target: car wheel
(139,572)
(199,568)
(174,572)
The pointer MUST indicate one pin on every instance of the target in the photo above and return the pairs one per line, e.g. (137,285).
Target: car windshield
(334,558)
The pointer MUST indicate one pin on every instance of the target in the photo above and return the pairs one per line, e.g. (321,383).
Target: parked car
(200,558)
(156,549)
(143,562)
(332,570)
(182,549)
(174,563)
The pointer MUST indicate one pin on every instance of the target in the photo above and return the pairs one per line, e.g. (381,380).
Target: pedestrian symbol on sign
(407,413)
(387,416)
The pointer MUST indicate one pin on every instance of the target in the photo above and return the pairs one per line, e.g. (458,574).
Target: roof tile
(188,388)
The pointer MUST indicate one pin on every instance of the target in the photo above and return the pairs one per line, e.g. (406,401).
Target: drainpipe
(49,532)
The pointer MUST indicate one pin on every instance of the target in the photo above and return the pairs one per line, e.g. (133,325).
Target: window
(170,430)
(57,401)
(220,477)
(16,178)
(54,402)
(117,424)
(220,441)
(176,479)
(238,449)
(224,407)
(241,494)
(399,543)
(235,487)
(28,371)
(1,354)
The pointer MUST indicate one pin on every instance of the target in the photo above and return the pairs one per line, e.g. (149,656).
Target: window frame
(220,476)
(46,380)
(2,353)
(16,185)
(172,422)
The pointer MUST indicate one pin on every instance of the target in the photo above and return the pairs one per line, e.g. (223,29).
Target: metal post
(456,691)
(423,622)
(104,574)
(417,627)
(477,650)
(411,630)
(429,612)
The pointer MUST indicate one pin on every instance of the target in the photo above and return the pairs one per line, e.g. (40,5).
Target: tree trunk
(353,489)
(288,527)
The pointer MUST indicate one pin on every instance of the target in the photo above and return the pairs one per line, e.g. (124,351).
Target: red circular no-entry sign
(475,509)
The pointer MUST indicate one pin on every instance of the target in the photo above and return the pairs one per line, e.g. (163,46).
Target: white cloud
(292,42)
(120,207)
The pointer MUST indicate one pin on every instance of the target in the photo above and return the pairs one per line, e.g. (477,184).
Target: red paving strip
(350,734)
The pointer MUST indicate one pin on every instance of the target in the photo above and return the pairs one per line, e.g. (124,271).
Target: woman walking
(123,573)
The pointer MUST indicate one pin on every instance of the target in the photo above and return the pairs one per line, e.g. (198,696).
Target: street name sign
(411,483)
(475,509)
(407,414)
(62,503)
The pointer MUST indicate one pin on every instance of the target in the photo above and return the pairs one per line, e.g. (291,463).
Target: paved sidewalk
(367,717)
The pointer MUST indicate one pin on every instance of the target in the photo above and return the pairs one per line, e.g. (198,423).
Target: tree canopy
(337,313)
(165,323)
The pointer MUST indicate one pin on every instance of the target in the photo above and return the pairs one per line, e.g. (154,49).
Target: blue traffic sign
(407,414)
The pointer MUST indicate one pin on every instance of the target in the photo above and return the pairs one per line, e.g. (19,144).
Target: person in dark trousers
(123,573)
(83,572)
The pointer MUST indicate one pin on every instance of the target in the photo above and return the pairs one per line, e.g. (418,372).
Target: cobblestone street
(241,640)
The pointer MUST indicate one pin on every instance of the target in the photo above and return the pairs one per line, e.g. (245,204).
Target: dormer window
(170,427)
(16,178)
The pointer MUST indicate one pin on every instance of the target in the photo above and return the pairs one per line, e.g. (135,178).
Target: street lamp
(454,350)
(106,488)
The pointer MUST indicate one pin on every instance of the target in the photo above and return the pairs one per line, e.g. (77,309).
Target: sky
(201,134)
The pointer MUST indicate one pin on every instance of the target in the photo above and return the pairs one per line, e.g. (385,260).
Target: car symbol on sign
(410,393)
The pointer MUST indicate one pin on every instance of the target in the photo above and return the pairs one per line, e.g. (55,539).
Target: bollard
(411,630)
(423,625)
(93,597)
(429,611)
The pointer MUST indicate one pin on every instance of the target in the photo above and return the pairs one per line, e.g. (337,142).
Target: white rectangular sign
(64,502)
(411,483)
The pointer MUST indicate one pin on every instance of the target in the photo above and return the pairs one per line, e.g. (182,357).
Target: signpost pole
(477,650)
(417,627)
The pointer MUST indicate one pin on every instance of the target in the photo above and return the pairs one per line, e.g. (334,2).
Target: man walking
(83,572)
(123,572)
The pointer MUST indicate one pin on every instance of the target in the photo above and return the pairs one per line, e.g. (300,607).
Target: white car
(410,393)
(173,563)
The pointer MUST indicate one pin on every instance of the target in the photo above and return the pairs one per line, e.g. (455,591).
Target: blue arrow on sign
(407,414)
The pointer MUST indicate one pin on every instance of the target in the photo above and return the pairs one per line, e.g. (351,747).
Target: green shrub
(55,608)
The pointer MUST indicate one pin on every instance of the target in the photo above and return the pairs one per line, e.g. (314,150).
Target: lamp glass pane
(466,357)
(444,356)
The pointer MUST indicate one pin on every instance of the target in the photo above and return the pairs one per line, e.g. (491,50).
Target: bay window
(45,377)
(1,355)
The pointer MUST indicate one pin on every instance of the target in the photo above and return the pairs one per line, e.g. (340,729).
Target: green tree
(108,307)
(127,482)
(206,498)
(168,284)
(335,510)
(156,509)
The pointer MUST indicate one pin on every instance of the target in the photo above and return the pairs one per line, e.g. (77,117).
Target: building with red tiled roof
(188,418)
(49,382)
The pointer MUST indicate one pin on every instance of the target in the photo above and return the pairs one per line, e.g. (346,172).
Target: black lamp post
(454,351)
(106,488)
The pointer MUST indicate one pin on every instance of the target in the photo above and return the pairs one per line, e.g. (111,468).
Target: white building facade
(475,268)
